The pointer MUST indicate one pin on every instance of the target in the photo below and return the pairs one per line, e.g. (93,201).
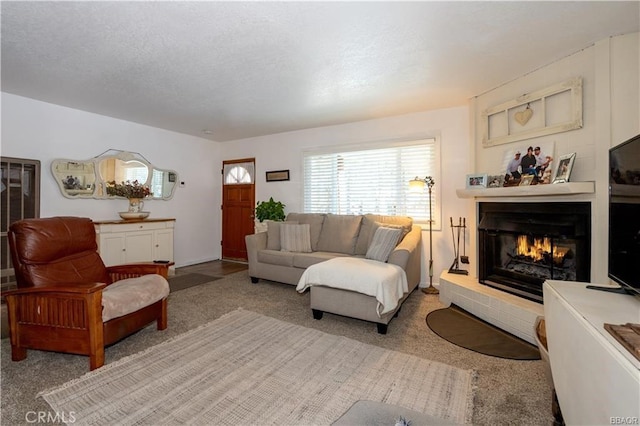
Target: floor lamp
(418,184)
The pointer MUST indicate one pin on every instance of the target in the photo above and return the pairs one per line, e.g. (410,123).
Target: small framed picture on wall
(277,175)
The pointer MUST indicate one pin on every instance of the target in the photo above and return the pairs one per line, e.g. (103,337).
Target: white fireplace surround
(506,311)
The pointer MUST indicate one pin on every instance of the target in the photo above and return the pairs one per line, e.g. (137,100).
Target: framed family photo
(536,160)
(477,181)
(565,164)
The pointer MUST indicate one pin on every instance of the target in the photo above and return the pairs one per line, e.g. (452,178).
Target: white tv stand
(597,380)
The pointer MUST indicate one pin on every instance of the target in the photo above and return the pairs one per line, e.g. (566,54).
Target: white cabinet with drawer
(135,241)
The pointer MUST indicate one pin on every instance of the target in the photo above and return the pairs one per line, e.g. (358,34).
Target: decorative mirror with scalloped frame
(88,178)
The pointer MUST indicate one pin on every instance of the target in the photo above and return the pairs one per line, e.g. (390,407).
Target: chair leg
(96,360)
(95,330)
(162,319)
(18,353)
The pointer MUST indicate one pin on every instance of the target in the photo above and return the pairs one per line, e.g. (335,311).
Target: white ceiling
(243,69)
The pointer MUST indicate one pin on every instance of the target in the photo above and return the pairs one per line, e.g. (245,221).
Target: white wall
(42,131)
(284,151)
(611,104)
(611,115)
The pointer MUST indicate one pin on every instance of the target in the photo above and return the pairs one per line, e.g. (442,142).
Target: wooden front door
(238,207)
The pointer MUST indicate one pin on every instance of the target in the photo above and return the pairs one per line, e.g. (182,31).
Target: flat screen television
(624,215)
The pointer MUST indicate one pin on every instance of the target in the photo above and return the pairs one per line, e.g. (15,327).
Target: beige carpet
(246,368)
(509,392)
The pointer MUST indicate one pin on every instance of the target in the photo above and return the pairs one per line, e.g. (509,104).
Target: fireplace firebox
(523,244)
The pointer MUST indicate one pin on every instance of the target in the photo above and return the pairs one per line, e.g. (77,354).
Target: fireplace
(523,244)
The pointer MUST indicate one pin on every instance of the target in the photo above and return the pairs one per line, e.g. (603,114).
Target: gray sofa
(335,236)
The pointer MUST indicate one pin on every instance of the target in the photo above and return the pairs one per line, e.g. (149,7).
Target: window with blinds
(373,180)
(136,173)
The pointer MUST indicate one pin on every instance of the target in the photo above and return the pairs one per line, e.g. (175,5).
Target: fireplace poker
(453,238)
(458,245)
(464,258)
(456,249)
(454,265)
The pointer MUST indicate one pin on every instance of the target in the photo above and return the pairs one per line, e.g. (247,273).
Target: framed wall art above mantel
(556,109)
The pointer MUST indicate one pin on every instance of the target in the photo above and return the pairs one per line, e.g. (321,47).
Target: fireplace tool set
(461,227)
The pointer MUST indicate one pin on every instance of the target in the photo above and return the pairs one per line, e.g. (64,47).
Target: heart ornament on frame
(523,117)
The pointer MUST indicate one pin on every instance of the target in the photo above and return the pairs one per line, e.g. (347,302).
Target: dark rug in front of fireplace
(461,328)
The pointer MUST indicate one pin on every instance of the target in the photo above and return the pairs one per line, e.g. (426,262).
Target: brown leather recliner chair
(67,300)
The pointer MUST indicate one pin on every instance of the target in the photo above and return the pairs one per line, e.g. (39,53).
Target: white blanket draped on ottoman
(386,282)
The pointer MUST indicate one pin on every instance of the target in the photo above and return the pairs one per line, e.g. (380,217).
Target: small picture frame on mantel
(526,180)
(476,181)
(565,165)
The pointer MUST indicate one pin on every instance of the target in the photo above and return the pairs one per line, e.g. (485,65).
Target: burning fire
(540,248)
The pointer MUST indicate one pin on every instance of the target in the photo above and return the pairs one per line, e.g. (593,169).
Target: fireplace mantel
(566,188)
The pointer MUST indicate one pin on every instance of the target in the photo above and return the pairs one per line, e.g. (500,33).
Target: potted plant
(270,210)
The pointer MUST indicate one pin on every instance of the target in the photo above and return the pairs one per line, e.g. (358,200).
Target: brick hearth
(506,311)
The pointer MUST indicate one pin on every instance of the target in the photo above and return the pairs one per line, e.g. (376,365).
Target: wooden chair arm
(85,288)
(120,272)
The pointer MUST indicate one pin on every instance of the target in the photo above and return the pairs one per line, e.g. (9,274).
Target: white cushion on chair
(132,294)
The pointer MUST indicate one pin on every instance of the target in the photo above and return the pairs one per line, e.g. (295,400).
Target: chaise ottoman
(356,287)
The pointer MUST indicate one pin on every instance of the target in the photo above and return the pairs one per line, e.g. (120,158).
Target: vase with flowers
(135,192)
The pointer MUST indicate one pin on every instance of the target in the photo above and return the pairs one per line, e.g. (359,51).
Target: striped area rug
(246,368)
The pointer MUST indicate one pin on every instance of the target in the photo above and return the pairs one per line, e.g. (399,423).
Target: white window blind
(372,180)
(136,173)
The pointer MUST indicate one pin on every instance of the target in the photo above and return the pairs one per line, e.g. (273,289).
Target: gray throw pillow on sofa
(368,228)
(404,231)
(384,241)
(339,233)
(295,238)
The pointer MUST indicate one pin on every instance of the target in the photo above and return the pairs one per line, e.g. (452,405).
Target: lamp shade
(416,185)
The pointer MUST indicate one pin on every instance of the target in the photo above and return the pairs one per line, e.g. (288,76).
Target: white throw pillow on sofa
(295,238)
(384,241)
(273,234)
